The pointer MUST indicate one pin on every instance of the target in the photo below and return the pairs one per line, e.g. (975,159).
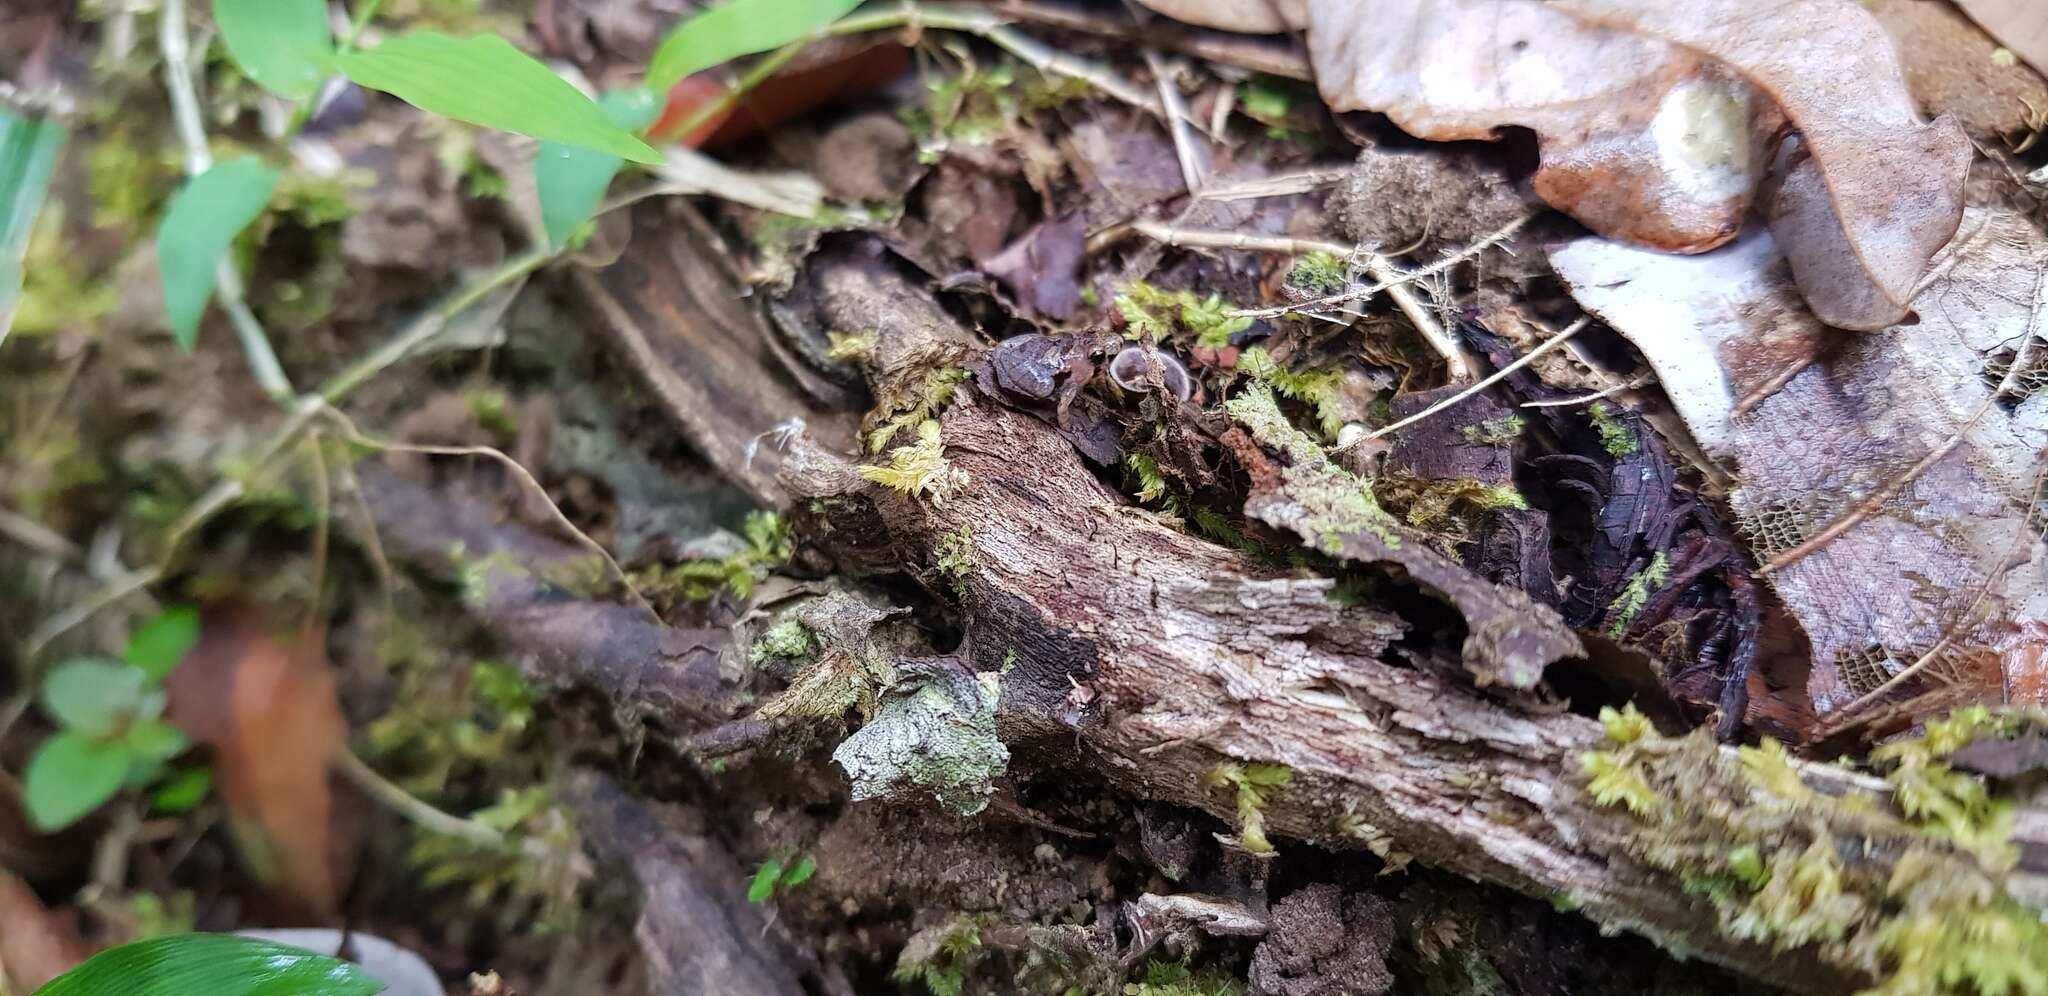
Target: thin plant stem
(425,816)
(1553,342)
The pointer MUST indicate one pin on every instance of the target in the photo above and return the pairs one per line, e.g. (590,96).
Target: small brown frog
(1030,365)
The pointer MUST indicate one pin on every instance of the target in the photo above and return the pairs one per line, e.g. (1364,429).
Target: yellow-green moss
(1337,502)
(953,558)
(1321,388)
(919,469)
(1915,903)
(850,347)
(913,407)
(1615,436)
(1250,784)
(1319,272)
(1163,314)
(1636,594)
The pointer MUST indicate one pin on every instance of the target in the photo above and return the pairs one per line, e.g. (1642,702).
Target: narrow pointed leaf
(283,45)
(483,80)
(572,179)
(204,217)
(70,775)
(734,29)
(28,152)
(212,964)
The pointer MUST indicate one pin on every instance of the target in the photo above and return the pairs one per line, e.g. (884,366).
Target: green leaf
(762,887)
(800,872)
(202,220)
(213,965)
(572,179)
(736,28)
(159,644)
(483,80)
(28,151)
(155,740)
(283,45)
(70,775)
(182,791)
(93,697)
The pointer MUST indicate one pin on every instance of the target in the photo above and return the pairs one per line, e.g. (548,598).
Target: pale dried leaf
(1948,568)
(1872,192)
(37,944)
(2020,25)
(1250,16)
(267,708)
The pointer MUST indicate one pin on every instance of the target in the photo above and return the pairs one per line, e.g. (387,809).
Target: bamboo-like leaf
(204,217)
(734,29)
(211,965)
(483,80)
(572,179)
(283,45)
(28,151)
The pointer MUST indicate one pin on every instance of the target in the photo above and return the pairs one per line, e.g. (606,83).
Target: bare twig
(177,52)
(1194,159)
(1391,280)
(1548,344)
(1631,384)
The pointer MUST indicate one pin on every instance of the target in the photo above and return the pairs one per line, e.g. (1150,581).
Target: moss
(1336,501)
(1615,435)
(767,543)
(511,876)
(787,639)
(1916,903)
(1250,784)
(846,668)
(1494,431)
(1321,388)
(1162,315)
(941,957)
(923,403)
(1379,842)
(1454,506)
(1636,594)
(1173,978)
(850,347)
(919,469)
(953,558)
(1319,272)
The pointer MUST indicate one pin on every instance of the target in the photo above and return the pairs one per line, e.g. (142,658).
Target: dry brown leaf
(1871,192)
(37,944)
(2020,25)
(268,710)
(1890,492)
(1257,17)
(1655,118)
(1640,141)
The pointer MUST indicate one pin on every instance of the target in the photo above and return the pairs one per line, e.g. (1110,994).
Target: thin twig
(1499,235)
(38,537)
(1631,384)
(176,45)
(1549,344)
(350,433)
(1194,159)
(425,816)
(1391,280)
(428,325)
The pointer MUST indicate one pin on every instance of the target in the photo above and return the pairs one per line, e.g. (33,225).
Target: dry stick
(426,817)
(350,433)
(1627,385)
(1194,166)
(1393,281)
(177,52)
(1554,341)
(1499,235)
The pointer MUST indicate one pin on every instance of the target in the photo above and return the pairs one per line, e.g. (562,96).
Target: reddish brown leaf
(36,944)
(267,708)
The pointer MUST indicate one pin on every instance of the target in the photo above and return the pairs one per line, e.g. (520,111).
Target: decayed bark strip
(1161,655)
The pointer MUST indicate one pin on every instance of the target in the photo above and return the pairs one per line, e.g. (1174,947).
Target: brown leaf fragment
(1953,67)
(1259,17)
(1884,488)
(267,707)
(37,944)
(2020,25)
(1872,191)
(1043,267)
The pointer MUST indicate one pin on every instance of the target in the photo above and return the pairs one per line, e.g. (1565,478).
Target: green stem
(357,23)
(427,326)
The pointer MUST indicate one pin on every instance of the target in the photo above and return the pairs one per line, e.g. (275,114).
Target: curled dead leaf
(1656,121)
(37,944)
(267,707)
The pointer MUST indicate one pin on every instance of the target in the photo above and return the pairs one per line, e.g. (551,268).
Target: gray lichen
(935,732)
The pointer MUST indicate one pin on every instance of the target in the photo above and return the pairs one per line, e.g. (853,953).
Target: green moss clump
(1454,507)
(1917,903)
(953,558)
(1494,431)
(1321,388)
(788,639)
(850,347)
(1319,272)
(1250,783)
(1615,436)
(1337,502)
(919,469)
(1173,978)
(922,404)
(1636,594)
(767,543)
(1162,314)
(941,957)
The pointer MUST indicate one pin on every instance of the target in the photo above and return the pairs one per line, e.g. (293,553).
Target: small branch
(1586,399)
(176,45)
(1391,280)
(1549,344)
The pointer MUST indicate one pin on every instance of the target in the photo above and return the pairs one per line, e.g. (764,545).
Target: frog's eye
(1132,371)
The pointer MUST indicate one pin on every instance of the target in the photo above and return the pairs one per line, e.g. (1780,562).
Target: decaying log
(1134,650)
